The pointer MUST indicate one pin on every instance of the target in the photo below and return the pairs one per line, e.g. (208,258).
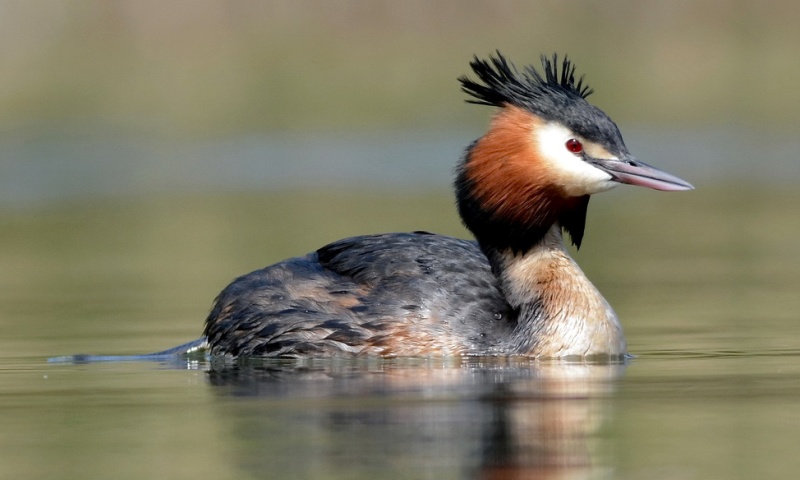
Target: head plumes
(503,84)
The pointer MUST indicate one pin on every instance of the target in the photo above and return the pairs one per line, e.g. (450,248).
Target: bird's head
(547,150)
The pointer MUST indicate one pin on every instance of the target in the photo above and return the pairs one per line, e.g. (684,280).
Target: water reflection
(479,418)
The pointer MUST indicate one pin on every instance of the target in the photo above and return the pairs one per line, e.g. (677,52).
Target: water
(705,282)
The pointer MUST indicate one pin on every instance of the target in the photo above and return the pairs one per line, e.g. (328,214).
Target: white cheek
(569,170)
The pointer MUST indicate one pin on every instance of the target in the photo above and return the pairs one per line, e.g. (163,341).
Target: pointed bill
(634,172)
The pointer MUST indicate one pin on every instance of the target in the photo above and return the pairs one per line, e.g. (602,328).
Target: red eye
(574,146)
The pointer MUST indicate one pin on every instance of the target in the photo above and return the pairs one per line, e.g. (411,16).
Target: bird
(512,291)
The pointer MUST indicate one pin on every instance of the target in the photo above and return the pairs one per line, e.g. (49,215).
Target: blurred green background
(204,68)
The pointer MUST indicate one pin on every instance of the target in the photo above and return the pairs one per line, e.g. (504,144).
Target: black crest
(504,84)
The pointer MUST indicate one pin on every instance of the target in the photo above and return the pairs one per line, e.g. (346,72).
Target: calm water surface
(706,284)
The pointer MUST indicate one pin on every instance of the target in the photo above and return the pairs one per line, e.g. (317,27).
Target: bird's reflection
(469,418)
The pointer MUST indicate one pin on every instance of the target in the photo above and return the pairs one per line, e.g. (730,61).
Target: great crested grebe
(514,291)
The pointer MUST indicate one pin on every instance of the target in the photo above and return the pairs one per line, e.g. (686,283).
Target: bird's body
(513,291)
(403,294)
(389,294)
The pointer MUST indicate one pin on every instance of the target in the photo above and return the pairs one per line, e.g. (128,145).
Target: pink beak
(634,172)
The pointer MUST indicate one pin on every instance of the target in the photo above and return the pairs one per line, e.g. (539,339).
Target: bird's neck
(561,314)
